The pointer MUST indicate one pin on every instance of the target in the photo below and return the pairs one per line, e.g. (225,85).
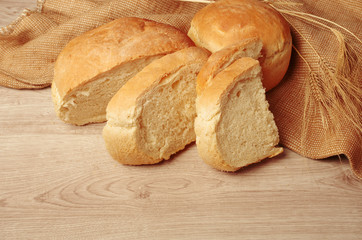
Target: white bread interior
(152,116)
(93,66)
(234,127)
(219,60)
(87,102)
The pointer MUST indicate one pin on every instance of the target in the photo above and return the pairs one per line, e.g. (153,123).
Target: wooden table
(58,182)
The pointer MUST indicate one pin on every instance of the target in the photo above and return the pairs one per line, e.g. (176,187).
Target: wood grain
(57,181)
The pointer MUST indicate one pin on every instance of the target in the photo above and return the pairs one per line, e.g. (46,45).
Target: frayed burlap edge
(7,30)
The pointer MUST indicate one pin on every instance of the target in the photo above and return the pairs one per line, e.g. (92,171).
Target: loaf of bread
(227,22)
(152,116)
(92,67)
(234,127)
(223,58)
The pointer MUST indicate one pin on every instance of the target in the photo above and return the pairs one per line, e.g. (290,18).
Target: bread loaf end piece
(152,116)
(87,102)
(93,66)
(234,127)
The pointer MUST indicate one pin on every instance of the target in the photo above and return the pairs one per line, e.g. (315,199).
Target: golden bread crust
(101,49)
(210,105)
(224,57)
(151,75)
(227,22)
(211,96)
(122,134)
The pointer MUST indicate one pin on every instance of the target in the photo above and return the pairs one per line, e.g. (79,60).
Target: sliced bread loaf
(92,67)
(221,59)
(152,116)
(234,127)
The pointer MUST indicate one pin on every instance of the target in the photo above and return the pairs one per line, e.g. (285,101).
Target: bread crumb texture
(234,126)
(93,66)
(152,116)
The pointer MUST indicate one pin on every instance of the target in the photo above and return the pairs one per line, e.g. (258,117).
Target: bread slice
(152,116)
(221,59)
(92,67)
(234,127)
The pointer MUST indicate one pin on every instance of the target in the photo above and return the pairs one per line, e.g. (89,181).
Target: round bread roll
(227,22)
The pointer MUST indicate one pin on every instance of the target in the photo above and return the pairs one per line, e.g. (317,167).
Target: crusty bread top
(221,59)
(151,75)
(225,22)
(212,96)
(112,44)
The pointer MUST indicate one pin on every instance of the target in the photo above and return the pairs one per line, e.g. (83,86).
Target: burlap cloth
(30,46)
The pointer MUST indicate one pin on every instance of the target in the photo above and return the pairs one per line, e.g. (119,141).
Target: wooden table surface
(58,182)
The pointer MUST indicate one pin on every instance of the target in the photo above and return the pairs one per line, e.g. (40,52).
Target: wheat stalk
(333,91)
